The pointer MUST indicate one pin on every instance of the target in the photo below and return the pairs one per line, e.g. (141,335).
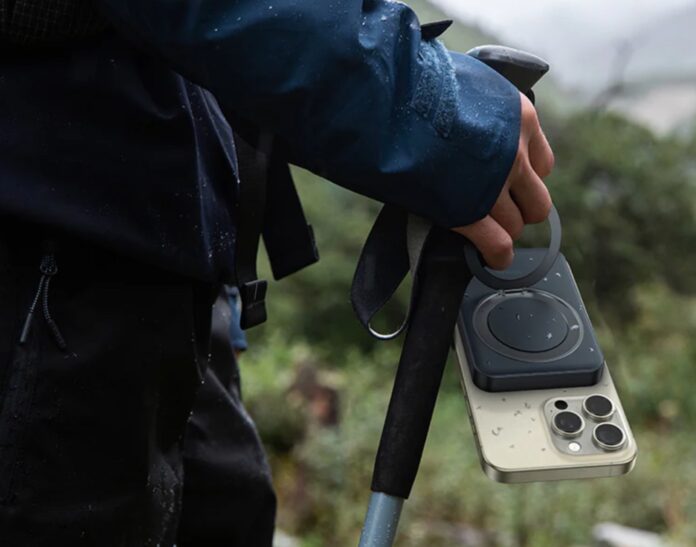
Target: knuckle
(500,252)
(520,168)
(547,165)
(540,212)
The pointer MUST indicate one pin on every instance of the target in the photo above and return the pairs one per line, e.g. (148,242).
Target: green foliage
(626,198)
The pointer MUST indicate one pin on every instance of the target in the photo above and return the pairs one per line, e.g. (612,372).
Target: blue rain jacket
(125,141)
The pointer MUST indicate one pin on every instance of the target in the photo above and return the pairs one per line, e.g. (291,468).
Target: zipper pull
(48,269)
(30,315)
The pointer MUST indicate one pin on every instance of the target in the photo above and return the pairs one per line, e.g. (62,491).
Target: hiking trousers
(121,422)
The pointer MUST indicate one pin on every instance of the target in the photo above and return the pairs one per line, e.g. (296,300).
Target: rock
(608,534)
(282,539)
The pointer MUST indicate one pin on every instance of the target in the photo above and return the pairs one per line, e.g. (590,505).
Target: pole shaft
(381,521)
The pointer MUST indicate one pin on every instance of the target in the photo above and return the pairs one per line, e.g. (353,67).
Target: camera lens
(609,436)
(598,407)
(568,424)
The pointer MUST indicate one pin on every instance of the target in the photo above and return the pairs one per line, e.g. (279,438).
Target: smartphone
(540,397)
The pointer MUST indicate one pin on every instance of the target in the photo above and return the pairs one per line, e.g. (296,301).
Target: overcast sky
(578,37)
(525,19)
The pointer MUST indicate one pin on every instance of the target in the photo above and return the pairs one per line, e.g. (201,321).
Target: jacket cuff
(483,128)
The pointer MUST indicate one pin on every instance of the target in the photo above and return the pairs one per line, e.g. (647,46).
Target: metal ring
(385,337)
(478,269)
(575,336)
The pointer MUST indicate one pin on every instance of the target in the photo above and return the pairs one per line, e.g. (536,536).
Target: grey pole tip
(381,521)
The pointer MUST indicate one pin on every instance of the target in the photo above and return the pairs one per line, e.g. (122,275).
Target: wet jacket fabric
(124,140)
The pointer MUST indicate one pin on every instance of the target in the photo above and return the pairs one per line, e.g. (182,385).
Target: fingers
(492,240)
(531,195)
(524,199)
(506,213)
(540,154)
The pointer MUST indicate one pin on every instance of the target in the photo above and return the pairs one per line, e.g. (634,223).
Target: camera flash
(574,447)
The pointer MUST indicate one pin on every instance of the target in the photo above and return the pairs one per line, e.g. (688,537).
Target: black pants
(135,434)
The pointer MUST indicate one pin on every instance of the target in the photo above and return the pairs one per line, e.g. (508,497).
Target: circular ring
(478,269)
(566,434)
(605,446)
(593,415)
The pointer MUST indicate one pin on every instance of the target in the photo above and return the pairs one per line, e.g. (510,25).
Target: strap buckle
(253,296)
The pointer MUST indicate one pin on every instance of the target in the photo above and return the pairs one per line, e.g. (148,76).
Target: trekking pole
(443,278)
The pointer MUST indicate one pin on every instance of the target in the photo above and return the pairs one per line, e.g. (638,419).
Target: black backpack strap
(267,204)
(288,238)
(252,163)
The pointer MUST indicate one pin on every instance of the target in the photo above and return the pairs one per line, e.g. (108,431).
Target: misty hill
(665,49)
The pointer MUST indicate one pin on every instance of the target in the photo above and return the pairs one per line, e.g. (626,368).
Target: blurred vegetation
(628,201)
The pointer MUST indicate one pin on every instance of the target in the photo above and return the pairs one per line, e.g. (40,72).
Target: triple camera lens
(596,408)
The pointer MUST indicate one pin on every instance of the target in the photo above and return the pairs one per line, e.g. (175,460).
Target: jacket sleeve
(351,89)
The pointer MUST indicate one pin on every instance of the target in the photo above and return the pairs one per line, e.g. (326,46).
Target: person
(120,420)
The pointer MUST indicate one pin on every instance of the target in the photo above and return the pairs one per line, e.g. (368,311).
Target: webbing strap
(288,238)
(267,203)
(252,163)
(394,246)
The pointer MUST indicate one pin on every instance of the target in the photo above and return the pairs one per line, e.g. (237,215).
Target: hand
(523,200)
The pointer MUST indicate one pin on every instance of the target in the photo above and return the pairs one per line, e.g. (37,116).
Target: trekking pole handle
(522,69)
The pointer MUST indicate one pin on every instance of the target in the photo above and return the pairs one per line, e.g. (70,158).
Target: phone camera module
(598,407)
(568,424)
(609,437)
